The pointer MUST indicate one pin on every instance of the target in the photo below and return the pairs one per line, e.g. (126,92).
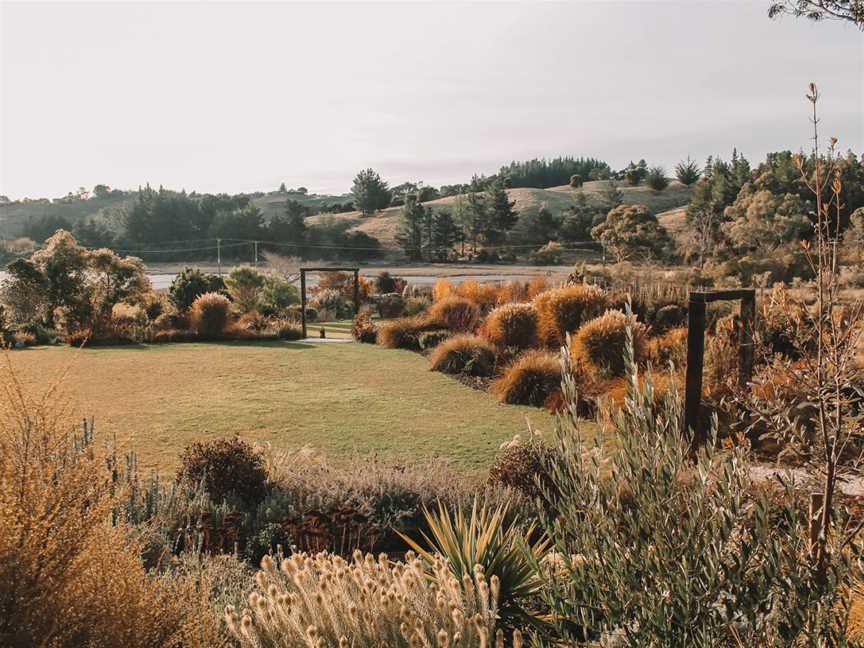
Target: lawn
(339,397)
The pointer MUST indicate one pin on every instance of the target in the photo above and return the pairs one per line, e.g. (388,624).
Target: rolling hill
(385,223)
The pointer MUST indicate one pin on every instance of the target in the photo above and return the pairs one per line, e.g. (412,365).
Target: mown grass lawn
(340,398)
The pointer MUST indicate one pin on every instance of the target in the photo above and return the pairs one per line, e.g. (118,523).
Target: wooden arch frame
(303,272)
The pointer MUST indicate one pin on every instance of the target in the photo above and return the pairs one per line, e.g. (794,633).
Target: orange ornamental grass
(512,325)
(454,313)
(564,310)
(600,343)
(464,354)
(530,380)
(669,347)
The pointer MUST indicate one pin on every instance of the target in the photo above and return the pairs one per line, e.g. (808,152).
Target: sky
(241,96)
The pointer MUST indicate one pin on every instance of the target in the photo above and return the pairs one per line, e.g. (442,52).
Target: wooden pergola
(303,272)
(698,301)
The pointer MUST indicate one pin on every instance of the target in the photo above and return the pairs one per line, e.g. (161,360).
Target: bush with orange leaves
(600,343)
(512,325)
(531,379)
(669,347)
(67,576)
(403,333)
(464,354)
(564,310)
(210,314)
(454,313)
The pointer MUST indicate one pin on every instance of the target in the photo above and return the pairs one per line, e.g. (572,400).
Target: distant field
(385,223)
(338,397)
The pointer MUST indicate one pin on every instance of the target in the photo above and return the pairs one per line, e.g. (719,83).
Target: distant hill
(385,223)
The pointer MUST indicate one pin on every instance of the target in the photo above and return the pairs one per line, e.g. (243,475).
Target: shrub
(669,347)
(172,335)
(68,576)
(536,286)
(324,600)
(428,340)
(550,254)
(512,325)
(390,305)
(487,540)
(277,295)
(287,329)
(363,329)
(245,284)
(153,305)
(225,467)
(455,313)
(415,306)
(600,343)
(576,181)
(687,172)
(442,289)
(385,283)
(128,315)
(210,314)
(253,321)
(523,466)
(564,310)
(530,380)
(743,567)
(656,178)
(485,295)
(330,303)
(23,339)
(191,284)
(403,333)
(464,354)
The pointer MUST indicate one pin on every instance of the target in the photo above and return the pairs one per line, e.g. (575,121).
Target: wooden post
(695,361)
(303,301)
(745,349)
(356,292)
(814,522)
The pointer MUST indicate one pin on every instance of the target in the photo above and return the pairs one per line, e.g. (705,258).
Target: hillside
(385,223)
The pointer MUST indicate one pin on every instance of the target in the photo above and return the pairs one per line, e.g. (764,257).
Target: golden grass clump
(454,313)
(464,354)
(68,577)
(536,286)
(564,310)
(210,314)
(442,289)
(485,295)
(600,343)
(512,325)
(123,314)
(669,347)
(402,333)
(325,600)
(530,380)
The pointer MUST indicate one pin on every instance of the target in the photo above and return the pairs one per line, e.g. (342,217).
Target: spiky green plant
(483,544)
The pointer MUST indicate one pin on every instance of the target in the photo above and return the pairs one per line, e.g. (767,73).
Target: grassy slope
(338,397)
(385,223)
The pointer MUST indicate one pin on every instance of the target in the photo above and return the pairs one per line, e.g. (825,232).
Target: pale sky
(240,96)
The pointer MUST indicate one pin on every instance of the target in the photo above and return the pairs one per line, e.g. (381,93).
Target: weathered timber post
(696,308)
(695,363)
(303,300)
(356,292)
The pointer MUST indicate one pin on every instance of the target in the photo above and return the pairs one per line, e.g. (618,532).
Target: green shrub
(655,547)
(363,329)
(245,285)
(389,305)
(600,343)
(464,354)
(210,314)
(225,467)
(530,380)
(330,303)
(656,178)
(277,295)
(415,306)
(385,283)
(512,325)
(455,313)
(191,284)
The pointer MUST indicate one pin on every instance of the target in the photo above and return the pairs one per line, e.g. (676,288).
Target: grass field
(339,398)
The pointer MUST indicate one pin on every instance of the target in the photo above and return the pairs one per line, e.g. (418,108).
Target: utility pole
(256,253)
(219,254)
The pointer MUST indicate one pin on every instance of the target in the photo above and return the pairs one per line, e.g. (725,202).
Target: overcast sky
(241,96)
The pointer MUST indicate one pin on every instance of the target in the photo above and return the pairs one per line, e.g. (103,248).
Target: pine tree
(445,234)
(501,215)
(687,172)
(370,192)
(412,228)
